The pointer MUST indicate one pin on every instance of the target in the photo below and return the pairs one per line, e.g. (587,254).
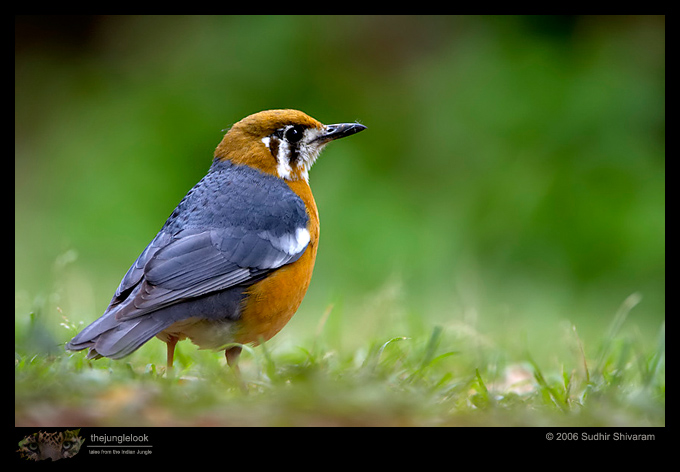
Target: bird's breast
(272,302)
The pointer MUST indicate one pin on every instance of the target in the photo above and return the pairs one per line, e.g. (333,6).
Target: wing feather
(235,225)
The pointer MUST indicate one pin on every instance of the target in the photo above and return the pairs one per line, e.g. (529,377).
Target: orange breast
(272,302)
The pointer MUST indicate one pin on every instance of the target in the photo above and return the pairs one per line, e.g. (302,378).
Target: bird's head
(283,143)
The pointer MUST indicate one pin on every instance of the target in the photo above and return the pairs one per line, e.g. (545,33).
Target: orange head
(283,143)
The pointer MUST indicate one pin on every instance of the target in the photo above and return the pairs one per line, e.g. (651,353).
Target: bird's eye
(294,134)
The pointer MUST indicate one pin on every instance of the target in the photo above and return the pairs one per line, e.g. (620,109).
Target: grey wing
(188,267)
(195,264)
(170,280)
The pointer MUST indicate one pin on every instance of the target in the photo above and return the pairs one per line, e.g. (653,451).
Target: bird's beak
(339,131)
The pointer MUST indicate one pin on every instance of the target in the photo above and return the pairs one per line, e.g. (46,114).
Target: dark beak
(340,131)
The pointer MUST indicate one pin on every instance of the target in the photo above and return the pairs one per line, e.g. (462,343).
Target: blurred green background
(512,175)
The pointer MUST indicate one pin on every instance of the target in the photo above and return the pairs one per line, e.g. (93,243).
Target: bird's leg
(171,343)
(232,354)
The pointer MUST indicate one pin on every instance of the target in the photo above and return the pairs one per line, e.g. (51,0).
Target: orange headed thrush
(234,259)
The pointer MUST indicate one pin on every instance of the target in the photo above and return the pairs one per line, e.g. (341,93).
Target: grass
(441,377)
(511,182)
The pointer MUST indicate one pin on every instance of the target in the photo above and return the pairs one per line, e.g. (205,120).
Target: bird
(232,263)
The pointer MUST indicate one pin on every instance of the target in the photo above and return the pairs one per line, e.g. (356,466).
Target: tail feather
(115,339)
(110,336)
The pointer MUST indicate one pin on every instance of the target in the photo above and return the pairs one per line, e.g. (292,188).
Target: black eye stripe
(293,154)
(274,146)
(289,150)
(289,137)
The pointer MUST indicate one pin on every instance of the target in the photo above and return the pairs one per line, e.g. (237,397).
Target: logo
(43,445)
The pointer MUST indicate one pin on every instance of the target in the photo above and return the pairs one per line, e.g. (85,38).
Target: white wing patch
(289,243)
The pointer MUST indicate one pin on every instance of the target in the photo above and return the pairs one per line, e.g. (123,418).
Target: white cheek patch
(303,152)
(283,166)
(281,153)
(313,133)
(309,151)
